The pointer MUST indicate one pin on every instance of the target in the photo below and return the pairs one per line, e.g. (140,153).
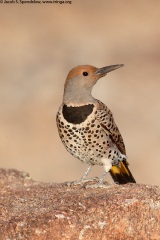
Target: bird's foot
(81,181)
(101,185)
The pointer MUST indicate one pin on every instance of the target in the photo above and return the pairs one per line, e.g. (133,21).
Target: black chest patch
(77,115)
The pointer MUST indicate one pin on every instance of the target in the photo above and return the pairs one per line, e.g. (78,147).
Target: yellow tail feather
(121,174)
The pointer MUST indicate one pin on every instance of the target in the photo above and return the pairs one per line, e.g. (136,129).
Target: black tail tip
(122,178)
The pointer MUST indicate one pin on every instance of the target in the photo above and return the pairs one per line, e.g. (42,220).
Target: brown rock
(33,210)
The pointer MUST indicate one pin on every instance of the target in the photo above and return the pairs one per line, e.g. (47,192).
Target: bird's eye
(85,73)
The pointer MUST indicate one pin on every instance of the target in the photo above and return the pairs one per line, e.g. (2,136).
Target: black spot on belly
(77,115)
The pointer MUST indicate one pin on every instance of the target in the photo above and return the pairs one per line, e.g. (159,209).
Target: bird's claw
(81,181)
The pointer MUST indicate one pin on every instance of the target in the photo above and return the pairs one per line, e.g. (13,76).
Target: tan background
(39,44)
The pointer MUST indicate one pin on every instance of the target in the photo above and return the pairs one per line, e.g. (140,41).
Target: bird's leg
(86,173)
(84,179)
(100,183)
(102,178)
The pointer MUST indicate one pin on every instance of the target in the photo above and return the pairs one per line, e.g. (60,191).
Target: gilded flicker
(87,127)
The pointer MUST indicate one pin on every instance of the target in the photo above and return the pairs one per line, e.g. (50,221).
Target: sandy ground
(40,43)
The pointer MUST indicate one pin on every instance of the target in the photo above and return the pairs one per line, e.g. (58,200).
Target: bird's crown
(82,70)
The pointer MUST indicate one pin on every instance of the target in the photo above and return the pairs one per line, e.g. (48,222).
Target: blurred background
(40,43)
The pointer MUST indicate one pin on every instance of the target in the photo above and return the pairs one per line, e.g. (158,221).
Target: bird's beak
(104,70)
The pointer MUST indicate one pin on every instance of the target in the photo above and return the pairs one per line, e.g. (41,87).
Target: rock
(33,210)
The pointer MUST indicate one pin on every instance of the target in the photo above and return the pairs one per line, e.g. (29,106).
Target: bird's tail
(121,174)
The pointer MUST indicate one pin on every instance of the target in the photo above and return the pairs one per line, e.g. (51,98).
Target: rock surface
(47,211)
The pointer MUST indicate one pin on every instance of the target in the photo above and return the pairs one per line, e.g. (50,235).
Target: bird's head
(81,79)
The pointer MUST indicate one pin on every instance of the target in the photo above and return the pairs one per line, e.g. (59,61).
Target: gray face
(80,81)
(78,89)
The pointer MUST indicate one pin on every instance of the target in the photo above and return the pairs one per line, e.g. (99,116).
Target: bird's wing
(106,120)
(120,174)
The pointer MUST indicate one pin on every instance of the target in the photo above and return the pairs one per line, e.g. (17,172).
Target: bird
(87,128)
